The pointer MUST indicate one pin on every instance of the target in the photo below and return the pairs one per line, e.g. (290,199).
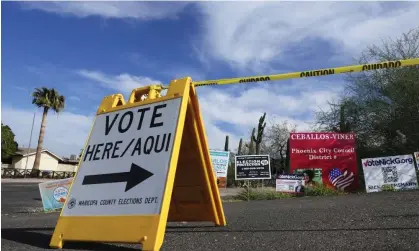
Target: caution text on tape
(312,73)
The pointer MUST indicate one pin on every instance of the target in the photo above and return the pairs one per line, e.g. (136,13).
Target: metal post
(248,190)
(29,146)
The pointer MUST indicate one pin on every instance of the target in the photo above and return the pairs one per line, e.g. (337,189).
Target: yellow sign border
(148,230)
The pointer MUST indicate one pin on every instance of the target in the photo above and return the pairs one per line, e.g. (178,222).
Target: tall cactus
(261,128)
(226,144)
(239,150)
(251,144)
(287,158)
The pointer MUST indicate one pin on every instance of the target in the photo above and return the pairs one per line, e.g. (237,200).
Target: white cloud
(65,134)
(290,100)
(253,35)
(241,107)
(184,71)
(73,98)
(256,34)
(124,82)
(133,10)
(242,110)
(20,88)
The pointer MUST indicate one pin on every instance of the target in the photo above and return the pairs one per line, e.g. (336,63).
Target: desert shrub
(387,188)
(261,194)
(321,190)
(271,194)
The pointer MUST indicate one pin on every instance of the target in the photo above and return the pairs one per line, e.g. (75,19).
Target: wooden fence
(15,173)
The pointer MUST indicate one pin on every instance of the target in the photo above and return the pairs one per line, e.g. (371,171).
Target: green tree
(251,145)
(342,116)
(276,141)
(381,106)
(47,99)
(8,143)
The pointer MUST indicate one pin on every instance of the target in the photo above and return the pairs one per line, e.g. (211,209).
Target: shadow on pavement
(184,229)
(28,236)
(189,227)
(398,215)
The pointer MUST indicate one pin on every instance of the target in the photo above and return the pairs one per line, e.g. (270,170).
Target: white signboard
(395,171)
(220,160)
(416,154)
(125,163)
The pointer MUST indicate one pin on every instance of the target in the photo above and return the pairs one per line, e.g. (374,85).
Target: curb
(29,181)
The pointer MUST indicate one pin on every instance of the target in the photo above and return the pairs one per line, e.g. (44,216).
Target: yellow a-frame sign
(146,162)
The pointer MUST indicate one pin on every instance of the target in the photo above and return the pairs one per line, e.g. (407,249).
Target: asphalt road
(380,221)
(20,198)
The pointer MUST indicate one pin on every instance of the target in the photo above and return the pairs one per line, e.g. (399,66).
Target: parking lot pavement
(20,198)
(27,180)
(380,221)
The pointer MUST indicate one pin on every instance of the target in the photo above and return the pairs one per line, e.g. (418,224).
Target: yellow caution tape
(312,73)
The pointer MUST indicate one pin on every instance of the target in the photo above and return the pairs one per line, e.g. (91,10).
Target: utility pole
(29,146)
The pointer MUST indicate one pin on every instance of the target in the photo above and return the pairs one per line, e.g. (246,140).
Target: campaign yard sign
(325,158)
(253,167)
(53,193)
(290,183)
(393,171)
(417,159)
(220,161)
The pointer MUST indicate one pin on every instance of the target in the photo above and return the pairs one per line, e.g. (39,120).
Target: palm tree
(47,99)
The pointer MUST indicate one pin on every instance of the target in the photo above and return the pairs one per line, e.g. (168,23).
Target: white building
(49,161)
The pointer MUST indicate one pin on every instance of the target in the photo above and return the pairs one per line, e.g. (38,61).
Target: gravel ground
(380,221)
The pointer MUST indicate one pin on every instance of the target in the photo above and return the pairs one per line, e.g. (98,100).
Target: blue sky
(93,49)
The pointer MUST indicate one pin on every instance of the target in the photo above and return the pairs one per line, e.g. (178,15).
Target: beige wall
(66,167)
(19,162)
(48,162)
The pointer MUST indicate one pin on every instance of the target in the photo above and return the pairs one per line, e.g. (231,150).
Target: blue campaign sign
(54,193)
(220,160)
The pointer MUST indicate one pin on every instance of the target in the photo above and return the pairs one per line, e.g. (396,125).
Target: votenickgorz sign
(396,172)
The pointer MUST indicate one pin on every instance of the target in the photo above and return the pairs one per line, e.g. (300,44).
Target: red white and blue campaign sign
(339,179)
(325,158)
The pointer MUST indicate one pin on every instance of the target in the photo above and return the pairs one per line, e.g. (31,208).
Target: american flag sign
(340,180)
